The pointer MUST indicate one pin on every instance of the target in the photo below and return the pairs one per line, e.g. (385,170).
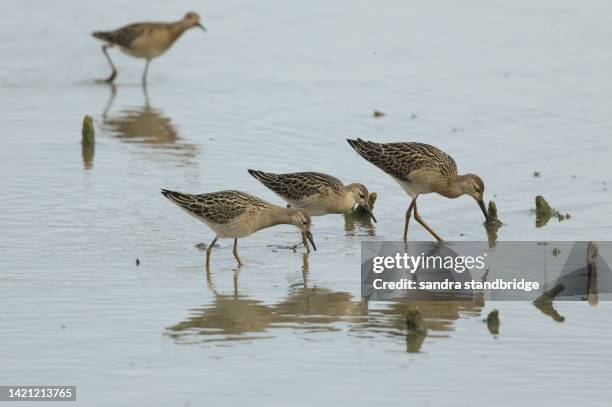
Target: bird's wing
(217,207)
(400,159)
(299,185)
(124,36)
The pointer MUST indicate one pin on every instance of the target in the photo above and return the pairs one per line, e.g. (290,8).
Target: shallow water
(506,88)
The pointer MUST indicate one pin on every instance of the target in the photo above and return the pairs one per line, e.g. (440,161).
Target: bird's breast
(411,188)
(319,204)
(149,45)
(236,228)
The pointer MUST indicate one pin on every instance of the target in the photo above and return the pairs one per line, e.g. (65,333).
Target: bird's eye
(361,196)
(305,223)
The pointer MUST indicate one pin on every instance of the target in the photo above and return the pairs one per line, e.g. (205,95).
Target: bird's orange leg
(425,225)
(408,212)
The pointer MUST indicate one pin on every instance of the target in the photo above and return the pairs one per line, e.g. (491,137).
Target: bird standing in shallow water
(320,194)
(145,40)
(421,169)
(235,214)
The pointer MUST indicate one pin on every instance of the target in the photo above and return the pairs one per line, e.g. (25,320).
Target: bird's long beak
(369,210)
(202,27)
(484,209)
(310,239)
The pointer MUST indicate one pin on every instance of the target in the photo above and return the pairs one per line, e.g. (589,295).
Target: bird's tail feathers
(367,149)
(263,177)
(178,198)
(103,35)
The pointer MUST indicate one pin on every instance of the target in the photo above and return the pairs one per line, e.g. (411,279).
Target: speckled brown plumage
(320,194)
(299,185)
(235,214)
(126,35)
(217,207)
(421,169)
(400,159)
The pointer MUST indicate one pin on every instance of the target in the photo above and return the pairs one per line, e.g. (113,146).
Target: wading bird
(421,169)
(320,194)
(145,40)
(235,214)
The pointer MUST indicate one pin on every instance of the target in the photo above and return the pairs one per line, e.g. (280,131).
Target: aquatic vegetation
(492,224)
(492,219)
(493,322)
(88,132)
(591,260)
(360,211)
(360,215)
(417,330)
(545,302)
(544,212)
(88,142)
(414,320)
(414,341)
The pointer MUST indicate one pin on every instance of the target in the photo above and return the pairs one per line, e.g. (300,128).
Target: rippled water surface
(507,88)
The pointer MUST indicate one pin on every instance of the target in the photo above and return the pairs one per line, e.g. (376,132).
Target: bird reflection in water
(316,308)
(237,317)
(358,224)
(439,317)
(145,125)
(309,308)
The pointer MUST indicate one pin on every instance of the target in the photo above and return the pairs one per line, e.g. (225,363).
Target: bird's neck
(454,187)
(277,216)
(346,203)
(347,200)
(178,28)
